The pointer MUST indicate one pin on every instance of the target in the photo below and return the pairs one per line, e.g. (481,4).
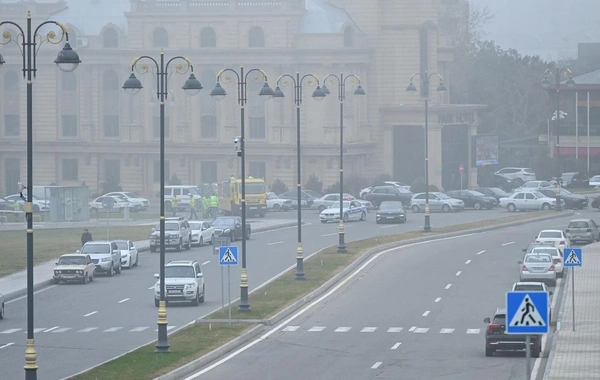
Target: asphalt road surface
(412,313)
(80,326)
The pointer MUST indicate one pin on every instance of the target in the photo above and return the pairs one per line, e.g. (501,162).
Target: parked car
(129,254)
(390,211)
(496,338)
(38,204)
(534,287)
(275,203)
(495,192)
(474,199)
(538,267)
(437,201)
(536,184)
(527,200)
(583,230)
(230,226)
(1,306)
(184,281)
(306,198)
(557,257)
(99,204)
(594,181)
(571,200)
(74,267)
(178,234)
(596,203)
(202,232)
(557,237)
(575,180)
(363,192)
(388,193)
(531,246)
(136,202)
(329,199)
(105,255)
(351,210)
(519,175)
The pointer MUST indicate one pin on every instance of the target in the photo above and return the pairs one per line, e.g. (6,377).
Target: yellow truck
(230,197)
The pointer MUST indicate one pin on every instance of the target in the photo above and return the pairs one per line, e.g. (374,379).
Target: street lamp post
(219,93)
(318,94)
(341,82)
(191,87)
(425,78)
(67,61)
(546,84)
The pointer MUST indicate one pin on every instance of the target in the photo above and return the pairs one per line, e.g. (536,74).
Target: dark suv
(497,339)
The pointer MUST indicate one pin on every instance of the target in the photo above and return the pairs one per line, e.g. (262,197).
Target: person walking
(174,205)
(206,206)
(214,206)
(193,214)
(86,236)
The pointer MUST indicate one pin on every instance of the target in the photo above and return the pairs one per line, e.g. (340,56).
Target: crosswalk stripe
(394,329)
(291,328)
(369,329)
(10,331)
(87,329)
(446,331)
(112,329)
(317,328)
(473,331)
(141,328)
(421,330)
(343,329)
(51,329)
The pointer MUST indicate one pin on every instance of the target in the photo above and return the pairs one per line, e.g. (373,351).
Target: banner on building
(485,150)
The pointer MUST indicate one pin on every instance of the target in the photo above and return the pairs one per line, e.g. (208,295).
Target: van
(183,193)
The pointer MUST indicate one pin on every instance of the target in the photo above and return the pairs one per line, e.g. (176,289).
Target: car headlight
(189,286)
(105,259)
(227,230)
(57,272)
(123,255)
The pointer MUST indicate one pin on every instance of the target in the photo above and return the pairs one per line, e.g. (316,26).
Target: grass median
(143,363)
(49,244)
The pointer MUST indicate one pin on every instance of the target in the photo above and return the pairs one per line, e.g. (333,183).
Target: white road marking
(124,300)
(204,263)
(395,346)
(426,313)
(509,243)
(458,273)
(10,331)
(61,330)
(275,242)
(7,345)
(291,328)
(169,328)
(394,329)
(51,329)
(335,233)
(39,291)
(376,365)
(448,286)
(150,288)
(87,329)
(342,329)
(412,328)
(480,252)
(317,328)
(468,262)
(421,330)
(446,331)
(438,299)
(311,305)
(473,331)
(141,328)
(368,329)
(35,331)
(112,329)
(88,314)
(390,226)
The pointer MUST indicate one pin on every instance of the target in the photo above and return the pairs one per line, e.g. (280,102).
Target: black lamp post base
(244,305)
(427,225)
(162,345)
(300,269)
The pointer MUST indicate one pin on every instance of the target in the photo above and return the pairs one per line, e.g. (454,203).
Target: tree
(278,187)
(418,186)
(174,181)
(333,188)
(314,184)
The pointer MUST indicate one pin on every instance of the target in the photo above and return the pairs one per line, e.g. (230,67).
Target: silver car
(105,255)
(437,202)
(585,230)
(538,267)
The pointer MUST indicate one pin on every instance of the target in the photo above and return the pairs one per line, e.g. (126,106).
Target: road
(101,320)
(413,313)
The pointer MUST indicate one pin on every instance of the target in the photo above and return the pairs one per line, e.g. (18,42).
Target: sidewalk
(15,285)
(576,354)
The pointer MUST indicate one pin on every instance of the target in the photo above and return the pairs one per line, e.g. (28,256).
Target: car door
(206,231)
(531,202)
(133,251)
(355,210)
(519,200)
(116,254)
(90,267)
(199,276)
(435,203)
(331,199)
(595,230)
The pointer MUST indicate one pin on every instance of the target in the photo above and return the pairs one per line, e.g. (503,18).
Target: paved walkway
(15,285)
(576,354)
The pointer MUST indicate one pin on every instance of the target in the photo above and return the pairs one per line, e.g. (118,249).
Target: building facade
(87,130)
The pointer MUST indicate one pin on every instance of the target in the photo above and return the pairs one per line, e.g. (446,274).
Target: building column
(435,154)
(388,149)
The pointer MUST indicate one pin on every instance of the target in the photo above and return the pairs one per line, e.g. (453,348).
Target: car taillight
(551,269)
(524,267)
(556,261)
(493,326)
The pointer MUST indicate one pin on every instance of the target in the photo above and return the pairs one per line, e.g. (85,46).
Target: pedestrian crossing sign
(572,257)
(527,313)
(228,255)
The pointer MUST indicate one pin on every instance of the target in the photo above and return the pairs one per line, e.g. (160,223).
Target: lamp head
(218,92)
(277,93)
(318,94)
(325,89)
(192,85)
(359,90)
(67,59)
(132,85)
(411,87)
(441,87)
(266,91)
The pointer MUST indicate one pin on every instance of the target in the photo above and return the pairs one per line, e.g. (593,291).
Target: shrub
(333,188)
(314,184)
(278,187)
(418,186)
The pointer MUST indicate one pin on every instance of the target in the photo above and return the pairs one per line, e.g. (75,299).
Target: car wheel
(345,218)
(137,259)
(363,216)
(196,301)
(323,221)
(201,242)
(84,280)
(118,270)
(111,272)
(545,207)
(93,276)
(130,264)
(535,352)
(212,240)
(321,208)
(446,208)
(156,302)
(188,246)
(179,246)
(477,206)
(36,208)
(2,311)
(248,235)
(489,351)
(276,207)
(415,209)
(511,207)
(202,298)
(404,219)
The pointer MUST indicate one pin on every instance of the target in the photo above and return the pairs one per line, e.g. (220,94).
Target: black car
(575,180)
(572,201)
(495,192)
(596,203)
(381,194)
(390,211)
(474,199)
(306,199)
(230,226)
(497,339)
(503,182)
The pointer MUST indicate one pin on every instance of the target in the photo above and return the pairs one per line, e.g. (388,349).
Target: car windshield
(595,178)
(499,192)
(179,271)
(95,248)
(337,205)
(539,195)
(476,193)
(500,319)
(123,245)
(550,251)
(168,227)
(195,226)
(130,195)
(578,224)
(72,260)
(223,222)
(390,205)
(565,191)
(550,235)
(538,258)
(531,287)
(255,188)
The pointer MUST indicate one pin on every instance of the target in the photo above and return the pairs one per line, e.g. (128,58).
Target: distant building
(86,129)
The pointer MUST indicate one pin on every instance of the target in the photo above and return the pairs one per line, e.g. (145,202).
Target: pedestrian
(86,236)
(214,206)
(193,214)
(174,205)
(206,206)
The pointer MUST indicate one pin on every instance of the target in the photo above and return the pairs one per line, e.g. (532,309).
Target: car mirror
(519,262)
(78,251)
(55,263)
(486,320)
(200,275)
(524,250)
(156,275)
(153,229)
(550,292)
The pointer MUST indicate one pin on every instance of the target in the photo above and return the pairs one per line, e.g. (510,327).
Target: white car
(556,237)
(328,200)
(274,203)
(118,204)
(129,254)
(595,181)
(137,203)
(363,193)
(536,184)
(527,200)
(521,175)
(38,204)
(202,232)
(352,210)
(557,257)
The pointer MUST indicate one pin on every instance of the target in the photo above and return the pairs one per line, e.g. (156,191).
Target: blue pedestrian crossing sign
(572,257)
(527,313)
(228,256)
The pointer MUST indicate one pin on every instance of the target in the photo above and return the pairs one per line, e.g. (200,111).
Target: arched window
(160,38)
(111,38)
(348,37)
(11,81)
(110,81)
(208,38)
(69,82)
(256,37)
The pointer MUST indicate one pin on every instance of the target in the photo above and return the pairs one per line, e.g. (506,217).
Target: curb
(215,354)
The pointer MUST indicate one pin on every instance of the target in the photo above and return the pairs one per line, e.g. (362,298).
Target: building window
(208,172)
(112,172)
(69,82)
(156,127)
(110,81)
(160,38)
(156,172)
(11,81)
(69,125)
(257,170)
(111,126)
(208,38)
(11,125)
(256,37)
(70,169)
(257,127)
(111,38)
(348,37)
(208,129)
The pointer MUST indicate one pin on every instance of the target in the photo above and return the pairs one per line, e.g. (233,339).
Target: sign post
(461,170)
(228,256)
(107,203)
(218,242)
(527,313)
(573,257)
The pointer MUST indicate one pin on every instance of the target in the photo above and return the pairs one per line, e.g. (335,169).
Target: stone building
(86,129)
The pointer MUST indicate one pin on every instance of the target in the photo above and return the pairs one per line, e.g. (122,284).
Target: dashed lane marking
(394,329)
(473,331)
(509,243)
(124,300)
(88,314)
(87,329)
(10,331)
(426,313)
(376,365)
(438,299)
(137,329)
(317,328)
(335,233)
(51,329)
(7,345)
(421,330)
(468,262)
(480,252)
(395,346)
(291,328)
(446,331)
(343,329)
(204,263)
(412,328)
(113,329)
(448,286)
(61,330)
(458,273)
(275,243)
(368,329)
